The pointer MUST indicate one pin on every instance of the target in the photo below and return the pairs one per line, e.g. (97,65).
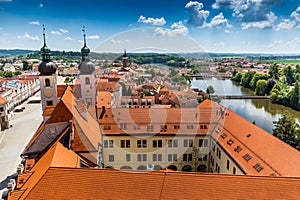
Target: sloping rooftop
(267,154)
(45,137)
(75,183)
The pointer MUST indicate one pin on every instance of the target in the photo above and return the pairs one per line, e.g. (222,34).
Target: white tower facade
(87,76)
(48,78)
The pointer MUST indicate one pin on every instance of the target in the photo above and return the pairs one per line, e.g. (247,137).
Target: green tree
(152,72)
(210,89)
(25,65)
(289,74)
(8,74)
(287,130)
(270,84)
(16,73)
(260,89)
(238,77)
(274,70)
(246,79)
(295,97)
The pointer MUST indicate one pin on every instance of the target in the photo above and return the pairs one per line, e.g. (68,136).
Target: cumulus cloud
(268,23)
(197,15)
(35,23)
(154,21)
(222,3)
(55,32)
(68,38)
(93,37)
(219,21)
(292,22)
(63,30)
(26,36)
(177,28)
(252,13)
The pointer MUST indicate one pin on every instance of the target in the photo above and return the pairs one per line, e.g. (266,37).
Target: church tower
(87,76)
(125,59)
(47,77)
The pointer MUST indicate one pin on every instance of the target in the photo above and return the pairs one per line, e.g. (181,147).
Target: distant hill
(14,52)
(76,55)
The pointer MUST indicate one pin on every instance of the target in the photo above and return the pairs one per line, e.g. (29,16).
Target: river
(260,111)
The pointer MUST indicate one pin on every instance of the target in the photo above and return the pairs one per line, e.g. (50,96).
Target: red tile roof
(76,183)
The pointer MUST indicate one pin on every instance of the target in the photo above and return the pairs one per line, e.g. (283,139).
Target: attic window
(238,149)
(247,157)
(248,135)
(217,130)
(258,167)
(223,135)
(230,142)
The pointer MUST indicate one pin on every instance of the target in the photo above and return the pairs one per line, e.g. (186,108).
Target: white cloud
(68,38)
(115,41)
(261,24)
(198,16)
(218,21)
(41,5)
(286,24)
(26,36)
(35,23)
(177,28)
(93,37)
(55,33)
(5,0)
(80,41)
(292,22)
(63,30)
(251,13)
(154,21)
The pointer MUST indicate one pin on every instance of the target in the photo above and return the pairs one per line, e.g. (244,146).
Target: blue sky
(256,26)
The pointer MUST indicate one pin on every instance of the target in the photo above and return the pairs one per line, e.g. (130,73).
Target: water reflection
(260,111)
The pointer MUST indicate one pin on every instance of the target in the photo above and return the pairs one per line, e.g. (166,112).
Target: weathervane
(44,35)
(84,35)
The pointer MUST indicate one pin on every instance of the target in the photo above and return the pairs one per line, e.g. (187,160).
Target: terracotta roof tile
(68,183)
(265,149)
(2,100)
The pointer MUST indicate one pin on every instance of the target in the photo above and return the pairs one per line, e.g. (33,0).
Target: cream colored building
(209,138)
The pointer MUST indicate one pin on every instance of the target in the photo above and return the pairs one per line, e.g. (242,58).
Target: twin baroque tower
(48,77)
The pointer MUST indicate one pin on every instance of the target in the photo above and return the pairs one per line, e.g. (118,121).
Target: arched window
(47,82)
(186,168)
(87,81)
(172,167)
(142,167)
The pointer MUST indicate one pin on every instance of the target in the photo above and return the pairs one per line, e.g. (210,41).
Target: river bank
(260,111)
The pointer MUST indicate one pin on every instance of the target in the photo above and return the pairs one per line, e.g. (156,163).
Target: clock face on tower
(88,92)
(48,92)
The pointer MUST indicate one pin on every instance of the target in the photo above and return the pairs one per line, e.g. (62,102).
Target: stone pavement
(13,140)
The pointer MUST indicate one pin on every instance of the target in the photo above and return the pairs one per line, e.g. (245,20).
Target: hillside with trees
(281,84)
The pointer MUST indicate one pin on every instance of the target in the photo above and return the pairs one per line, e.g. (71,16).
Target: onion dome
(46,67)
(86,66)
